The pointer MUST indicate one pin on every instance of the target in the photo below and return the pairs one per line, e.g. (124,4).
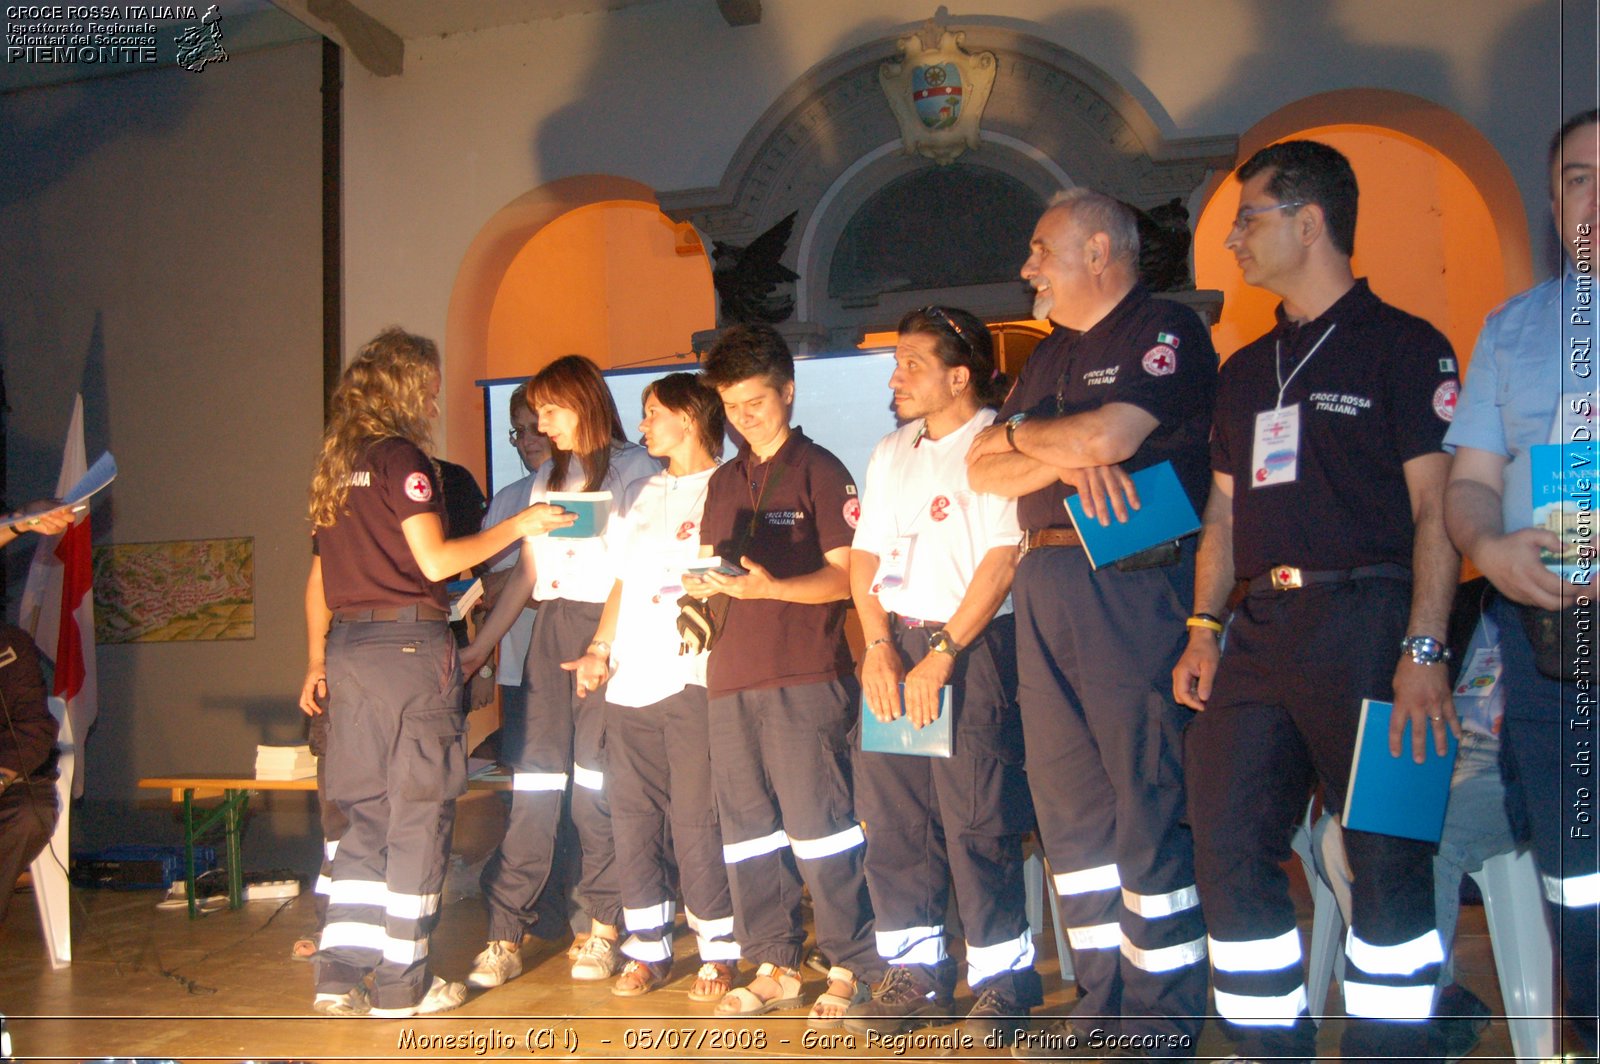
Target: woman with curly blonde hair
(382,658)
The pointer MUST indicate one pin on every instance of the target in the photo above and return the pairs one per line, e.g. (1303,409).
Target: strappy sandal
(742,1001)
(640,977)
(712,982)
(828,1010)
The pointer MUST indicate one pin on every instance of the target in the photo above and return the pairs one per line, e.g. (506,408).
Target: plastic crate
(137,867)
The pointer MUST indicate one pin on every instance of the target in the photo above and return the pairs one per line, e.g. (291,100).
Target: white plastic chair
(1519,933)
(51,889)
(1035,876)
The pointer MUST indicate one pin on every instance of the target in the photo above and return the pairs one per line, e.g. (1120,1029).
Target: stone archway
(478,280)
(830,143)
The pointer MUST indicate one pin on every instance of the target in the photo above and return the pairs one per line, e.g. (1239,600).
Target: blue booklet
(1164,514)
(1563,503)
(592,508)
(1395,795)
(903,737)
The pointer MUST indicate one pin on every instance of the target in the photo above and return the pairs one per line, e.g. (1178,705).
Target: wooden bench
(235,793)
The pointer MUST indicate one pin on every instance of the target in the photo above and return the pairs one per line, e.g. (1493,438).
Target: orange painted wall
(1424,240)
(603,281)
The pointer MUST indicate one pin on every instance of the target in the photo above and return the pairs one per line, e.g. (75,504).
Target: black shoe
(996,1020)
(1056,1040)
(1459,1021)
(905,1000)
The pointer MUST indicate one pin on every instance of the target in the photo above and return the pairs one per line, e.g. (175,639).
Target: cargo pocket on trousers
(432,757)
(998,789)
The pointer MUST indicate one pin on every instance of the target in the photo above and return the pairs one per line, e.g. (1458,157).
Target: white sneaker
(598,959)
(352,1002)
(441,997)
(494,966)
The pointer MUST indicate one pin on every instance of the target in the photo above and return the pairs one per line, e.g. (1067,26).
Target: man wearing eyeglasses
(1123,380)
(1327,498)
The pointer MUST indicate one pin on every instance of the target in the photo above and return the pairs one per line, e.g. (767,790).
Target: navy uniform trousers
(557,737)
(1548,754)
(1095,651)
(1282,717)
(780,757)
(397,762)
(934,822)
(664,816)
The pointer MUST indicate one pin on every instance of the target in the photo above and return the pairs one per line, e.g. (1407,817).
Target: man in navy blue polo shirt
(1124,379)
(1327,497)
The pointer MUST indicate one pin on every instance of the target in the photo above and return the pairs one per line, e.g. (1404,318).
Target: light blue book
(1164,514)
(1563,478)
(592,507)
(901,736)
(1395,795)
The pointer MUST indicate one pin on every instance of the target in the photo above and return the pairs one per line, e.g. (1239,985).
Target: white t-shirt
(650,542)
(507,503)
(917,501)
(577,569)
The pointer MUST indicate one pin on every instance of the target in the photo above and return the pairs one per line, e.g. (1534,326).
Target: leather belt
(1288,578)
(418,612)
(917,622)
(1050,537)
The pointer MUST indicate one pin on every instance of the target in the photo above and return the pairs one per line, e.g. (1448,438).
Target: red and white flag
(58,601)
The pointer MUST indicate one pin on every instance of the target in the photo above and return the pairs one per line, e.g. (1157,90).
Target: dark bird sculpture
(1164,240)
(746,278)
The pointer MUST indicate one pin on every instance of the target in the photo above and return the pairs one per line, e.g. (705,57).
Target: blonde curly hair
(387,391)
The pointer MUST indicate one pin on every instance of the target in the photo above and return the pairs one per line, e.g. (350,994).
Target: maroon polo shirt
(808,507)
(366,561)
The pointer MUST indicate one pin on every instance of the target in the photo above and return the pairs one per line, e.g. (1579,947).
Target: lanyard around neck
(1277,361)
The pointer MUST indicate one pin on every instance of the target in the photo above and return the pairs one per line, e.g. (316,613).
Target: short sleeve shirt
(578,569)
(366,561)
(919,501)
(808,506)
(1519,379)
(1376,391)
(1150,353)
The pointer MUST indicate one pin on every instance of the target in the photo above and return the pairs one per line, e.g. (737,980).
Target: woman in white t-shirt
(558,735)
(657,734)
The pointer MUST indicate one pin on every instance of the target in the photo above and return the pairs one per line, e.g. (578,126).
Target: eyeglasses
(1242,220)
(517,434)
(939,315)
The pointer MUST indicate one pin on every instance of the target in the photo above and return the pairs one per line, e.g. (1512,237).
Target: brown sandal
(639,978)
(742,1001)
(712,982)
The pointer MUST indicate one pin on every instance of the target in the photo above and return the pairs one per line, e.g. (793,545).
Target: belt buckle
(1286,578)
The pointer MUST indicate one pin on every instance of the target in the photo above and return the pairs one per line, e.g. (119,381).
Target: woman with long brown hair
(559,735)
(383,660)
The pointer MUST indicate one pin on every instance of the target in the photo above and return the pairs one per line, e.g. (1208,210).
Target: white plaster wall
(665,93)
(161,236)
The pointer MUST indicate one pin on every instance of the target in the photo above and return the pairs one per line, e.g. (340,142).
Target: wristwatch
(1011,428)
(941,643)
(1425,650)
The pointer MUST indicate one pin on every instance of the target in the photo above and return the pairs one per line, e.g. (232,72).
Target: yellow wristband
(1204,621)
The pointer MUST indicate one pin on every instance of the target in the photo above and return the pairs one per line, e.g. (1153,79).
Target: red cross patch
(418,487)
(852,511)
(1160,360)
(686,530)
(1444,400)
(939,509)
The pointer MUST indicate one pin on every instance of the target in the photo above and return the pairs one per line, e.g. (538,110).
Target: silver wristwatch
(1425,650)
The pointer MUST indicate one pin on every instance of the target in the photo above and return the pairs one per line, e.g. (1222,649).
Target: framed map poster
(194,589)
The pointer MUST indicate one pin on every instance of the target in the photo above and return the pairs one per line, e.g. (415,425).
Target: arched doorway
(1441,231)
(585,265)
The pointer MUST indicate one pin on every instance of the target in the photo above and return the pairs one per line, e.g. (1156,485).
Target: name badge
(1275,457)
(893,565)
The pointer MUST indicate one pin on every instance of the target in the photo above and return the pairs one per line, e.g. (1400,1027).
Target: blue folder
(903,737)
(1164,514)
(1395,795)
(592,508)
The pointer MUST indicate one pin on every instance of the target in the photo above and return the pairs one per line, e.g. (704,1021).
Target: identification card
(1275,458)
(893,565)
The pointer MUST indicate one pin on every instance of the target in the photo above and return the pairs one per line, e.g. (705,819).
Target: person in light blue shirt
(1532,382)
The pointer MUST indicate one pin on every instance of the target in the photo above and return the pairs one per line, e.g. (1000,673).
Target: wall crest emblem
(938,93)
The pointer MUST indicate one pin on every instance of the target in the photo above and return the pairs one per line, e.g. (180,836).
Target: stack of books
(285,762)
